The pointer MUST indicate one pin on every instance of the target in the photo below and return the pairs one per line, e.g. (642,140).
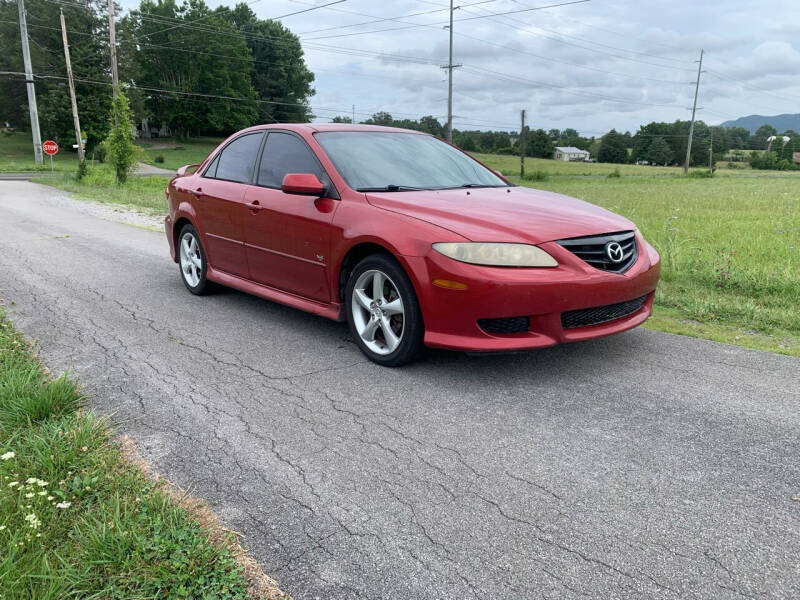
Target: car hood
(514,214)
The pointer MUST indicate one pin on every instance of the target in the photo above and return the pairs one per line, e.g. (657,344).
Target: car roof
(319,127)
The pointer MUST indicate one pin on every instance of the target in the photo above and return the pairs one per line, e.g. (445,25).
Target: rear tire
(383,312)
(192,261)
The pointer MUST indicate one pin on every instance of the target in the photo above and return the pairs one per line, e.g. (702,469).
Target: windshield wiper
(390,188)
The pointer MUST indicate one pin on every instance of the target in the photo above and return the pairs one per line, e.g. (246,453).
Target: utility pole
(112,40)
(354,114)
(711,153)
(694,109)
(450,66)
(522,145)
(72,89)
(32,107)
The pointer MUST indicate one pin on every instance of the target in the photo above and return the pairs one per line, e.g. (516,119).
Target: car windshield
(396,162)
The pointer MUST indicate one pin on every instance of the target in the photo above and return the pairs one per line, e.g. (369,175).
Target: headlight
(497,255)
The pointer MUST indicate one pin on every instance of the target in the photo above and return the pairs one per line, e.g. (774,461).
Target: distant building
(567,153)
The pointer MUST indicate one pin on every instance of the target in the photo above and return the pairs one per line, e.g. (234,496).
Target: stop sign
(50,147)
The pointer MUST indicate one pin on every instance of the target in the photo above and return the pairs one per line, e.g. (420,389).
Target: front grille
(505,325)
(595,250)
(600,314)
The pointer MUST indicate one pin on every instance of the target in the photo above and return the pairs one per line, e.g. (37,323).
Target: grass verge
(78,520)
(145,194)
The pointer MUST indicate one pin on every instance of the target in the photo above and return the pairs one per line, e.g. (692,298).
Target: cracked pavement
(641,465)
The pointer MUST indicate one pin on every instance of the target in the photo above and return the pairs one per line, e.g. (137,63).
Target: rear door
(287,237)
(220,197)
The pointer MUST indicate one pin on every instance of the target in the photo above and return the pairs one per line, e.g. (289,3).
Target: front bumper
(451,316)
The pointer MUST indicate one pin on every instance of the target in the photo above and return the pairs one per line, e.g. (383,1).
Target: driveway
(645,465)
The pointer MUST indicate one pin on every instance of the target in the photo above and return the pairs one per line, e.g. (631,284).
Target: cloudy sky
(591,65)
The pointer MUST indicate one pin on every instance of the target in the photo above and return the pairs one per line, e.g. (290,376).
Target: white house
(568,153)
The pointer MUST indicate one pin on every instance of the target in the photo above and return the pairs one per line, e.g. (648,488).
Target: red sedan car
(410,240)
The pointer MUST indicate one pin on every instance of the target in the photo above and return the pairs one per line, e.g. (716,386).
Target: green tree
(207,87)
(539,144)
(279,73)
(659,152)
(613,148)
(341,119)
(761,135)
(381,118)
(121,151)
(87,27)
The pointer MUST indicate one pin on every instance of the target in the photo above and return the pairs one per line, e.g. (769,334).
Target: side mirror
(302,184)
(182,170)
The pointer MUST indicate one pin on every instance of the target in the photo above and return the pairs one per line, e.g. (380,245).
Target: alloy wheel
(191,261)
(378,312)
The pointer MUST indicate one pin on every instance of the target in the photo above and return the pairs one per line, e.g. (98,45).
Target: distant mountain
(779,122)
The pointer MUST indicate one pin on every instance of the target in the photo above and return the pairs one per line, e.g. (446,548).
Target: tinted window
(211,171)
(237,158)
(285,153)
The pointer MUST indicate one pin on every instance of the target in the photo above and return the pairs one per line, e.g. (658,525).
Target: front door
(287,237)
(219,199)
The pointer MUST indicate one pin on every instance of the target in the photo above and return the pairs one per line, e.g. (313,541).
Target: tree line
(195,70)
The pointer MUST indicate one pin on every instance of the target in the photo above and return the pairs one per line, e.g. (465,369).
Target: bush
(614,174)
(82,169)
(159,159)
(537,176)
(121,149)
(701,174)
(101,152)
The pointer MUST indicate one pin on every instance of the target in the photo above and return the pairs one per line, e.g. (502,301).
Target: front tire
(192,261)
(383,312)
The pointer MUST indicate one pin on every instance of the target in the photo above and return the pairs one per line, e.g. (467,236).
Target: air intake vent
(614,252)
(505,325)
(600,314)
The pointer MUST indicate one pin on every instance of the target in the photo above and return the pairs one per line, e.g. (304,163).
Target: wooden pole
(75,119)
(113,44)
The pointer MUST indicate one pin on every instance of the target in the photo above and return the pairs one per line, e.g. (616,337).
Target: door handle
(197,192)
(254,206)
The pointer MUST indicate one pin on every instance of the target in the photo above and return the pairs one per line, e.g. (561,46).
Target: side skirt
(333,311)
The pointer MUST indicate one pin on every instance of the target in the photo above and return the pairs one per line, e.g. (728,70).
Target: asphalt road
(645,465)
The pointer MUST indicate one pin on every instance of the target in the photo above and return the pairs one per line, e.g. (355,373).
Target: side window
(211,170)
(285,153)
(235,162)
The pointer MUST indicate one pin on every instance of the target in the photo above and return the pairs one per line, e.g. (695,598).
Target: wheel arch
(353,256)
(176,230)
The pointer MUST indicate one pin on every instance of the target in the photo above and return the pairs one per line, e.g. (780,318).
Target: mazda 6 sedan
(412,241)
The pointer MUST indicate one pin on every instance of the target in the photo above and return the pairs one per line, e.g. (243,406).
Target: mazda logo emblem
(614,252)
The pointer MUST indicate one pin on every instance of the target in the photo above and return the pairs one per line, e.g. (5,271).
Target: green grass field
(16,155)
(176,153)
(79,521)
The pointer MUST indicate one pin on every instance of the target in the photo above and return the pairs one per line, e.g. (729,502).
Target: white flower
(41,483)
(30,480)
(29,495)
(63,504)
(50,497)
(13,483)
(2,527)
(33,521)
(7,456)
(43,493)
